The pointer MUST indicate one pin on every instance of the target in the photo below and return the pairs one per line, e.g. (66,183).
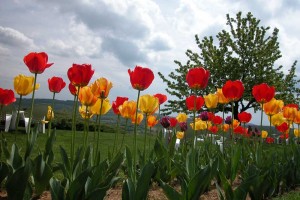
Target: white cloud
(12,37)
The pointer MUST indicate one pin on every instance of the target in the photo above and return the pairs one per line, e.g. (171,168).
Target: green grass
(63,138)
(293,195)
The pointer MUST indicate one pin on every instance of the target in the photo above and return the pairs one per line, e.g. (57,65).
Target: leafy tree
(246,52)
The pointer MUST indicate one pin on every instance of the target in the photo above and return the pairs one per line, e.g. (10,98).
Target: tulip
(233,90)
(106,106)
(297,133)
(194,103)
(56,84)
(85,112)
(50,114)
(264,134)
(244,117)
(289,112)
(277,119)
(173,122)
(213,129)
(128,109)
(217,120)
(228,120)
(183,126)
(204,116)
(221,98)
(6,97)
(235,123)
(263,93)
(199,125)
(117,103)
(148,104)
(80,75)
(273,107)
(225,127)
(72,89)
(269,140)
(297,117)
(161,98)
(211,101)
(283,128)
(23,85)
(179,135)
(86,97)
(240,130)
(37,62)
(151,121)
(165,121)
(101,88)
(197,78)
(181,117)
(139,119)
(141,78)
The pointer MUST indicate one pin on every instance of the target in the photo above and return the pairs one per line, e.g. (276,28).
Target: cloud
(160,42)
(14,38)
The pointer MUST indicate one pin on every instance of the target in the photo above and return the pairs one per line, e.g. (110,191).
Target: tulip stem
(124,134)
(51,113)
(98,135)
(32,104)
(134,140)
(232,120)
(261,120)
(18,113)
(223,132)
(74,125)
(145,135)
(116,134)
(85,128)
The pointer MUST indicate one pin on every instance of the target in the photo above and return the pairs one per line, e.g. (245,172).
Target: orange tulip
(289,112)
(297,117)
(86,97)
(101,88)
(273,107)
(151,121)
(140,118)
(128,109)
(221,98)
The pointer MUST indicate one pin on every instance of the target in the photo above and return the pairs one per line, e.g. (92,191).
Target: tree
(246,52)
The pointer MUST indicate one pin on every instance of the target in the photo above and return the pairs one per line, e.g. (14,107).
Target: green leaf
(48,153)
(130,166)
(235,162)
(30,143)
(15,160)
(143,183)
(4,171)
(128,190)
(76,189)
(56,189)
(65,159)
(170,192)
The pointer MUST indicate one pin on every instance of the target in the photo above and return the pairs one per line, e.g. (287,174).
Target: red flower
(56,84)
(161,98)
(117,103)
(197,78)
(80,75)
(233,90)
(283,128)
(37,62)
(263,93)
(6,97)
(73,89)
(173,122)
(140,78)
(213,129)
(217,120)
(190,101)
(244,117)
(284,136)
(240,130)
(210,115)
(269,140)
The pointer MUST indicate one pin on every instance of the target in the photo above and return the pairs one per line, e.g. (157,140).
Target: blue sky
(115,35)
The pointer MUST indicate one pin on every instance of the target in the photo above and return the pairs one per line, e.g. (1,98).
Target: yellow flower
(221,98)
(106,106)
(296,133)
(211,100)
(181,117)
(49,117)
(23,85)
(264,134)
(179,135)
(148,104)
(86,97)
(85,112)
(127,109)
(200,125)
(151,121)
(101,87)
(140,118)
(273,107)
(277,119)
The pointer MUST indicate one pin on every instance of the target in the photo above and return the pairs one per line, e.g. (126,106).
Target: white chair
(21,117)
(7,122)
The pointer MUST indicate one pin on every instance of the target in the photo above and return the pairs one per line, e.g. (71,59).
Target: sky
(116,35)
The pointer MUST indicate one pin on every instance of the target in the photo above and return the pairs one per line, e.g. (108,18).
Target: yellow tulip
(221,98)
(179,135)
(106,106)
(277,119)
(181,117)
(151,121)
(50,116)
(85,112)
(264,134)
(101,87)
(200,125)
(23,85)
(297,133)
(211,100)
(140,118)
(127,109)
(273,107)
(86,97)
(148,104)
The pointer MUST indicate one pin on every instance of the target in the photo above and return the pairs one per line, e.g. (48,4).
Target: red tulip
(190,102)
(140,78)
(244,117)
(283,128)
(6,97)
(117,103)
(240,130)
(217,120)
(173,122)
(213,129)
(37,62)
(56,84)
(233,90)
(197,78)
(161,98)
(73,89)
(80,75)
(269,140)
(263,93)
